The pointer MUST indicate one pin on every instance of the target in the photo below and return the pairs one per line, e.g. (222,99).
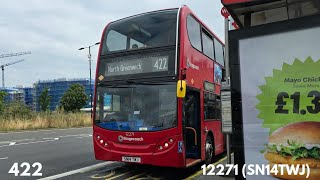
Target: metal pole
(228,149)
(89,56)
(2,67)
(228,80)
(226,53)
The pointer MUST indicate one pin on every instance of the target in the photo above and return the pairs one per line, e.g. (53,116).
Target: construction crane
(8,64)
(14,54)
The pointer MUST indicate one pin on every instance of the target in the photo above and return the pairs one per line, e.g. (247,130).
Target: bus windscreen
(156,29)
(136,107)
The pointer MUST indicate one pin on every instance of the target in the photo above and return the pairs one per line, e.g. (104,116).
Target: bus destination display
(136,65)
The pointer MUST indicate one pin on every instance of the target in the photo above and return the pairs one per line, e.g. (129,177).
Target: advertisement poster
(280,92)
(217,74)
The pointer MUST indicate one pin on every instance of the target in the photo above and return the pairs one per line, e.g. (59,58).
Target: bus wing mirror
(181,89)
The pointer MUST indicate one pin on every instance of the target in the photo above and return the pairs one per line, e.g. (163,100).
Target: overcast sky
(54,30)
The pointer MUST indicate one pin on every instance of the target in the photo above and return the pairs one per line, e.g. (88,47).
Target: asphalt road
(57,150)
(118,171)
(68,154)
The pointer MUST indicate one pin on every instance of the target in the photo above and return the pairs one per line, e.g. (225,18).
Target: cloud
(55,30)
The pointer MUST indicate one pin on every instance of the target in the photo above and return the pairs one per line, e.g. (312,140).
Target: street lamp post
(89,57)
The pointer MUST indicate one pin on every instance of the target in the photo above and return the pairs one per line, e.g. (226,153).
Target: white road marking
(14,143)
(81,170)
(4,158)
(74,135)
(82,137)
(52,138)
(35,142)
(18,132)
(16,140)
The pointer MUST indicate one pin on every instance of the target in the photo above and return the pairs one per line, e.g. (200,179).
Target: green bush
(15,110)
(2,95)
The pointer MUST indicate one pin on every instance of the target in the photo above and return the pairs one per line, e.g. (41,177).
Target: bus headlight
(166,145)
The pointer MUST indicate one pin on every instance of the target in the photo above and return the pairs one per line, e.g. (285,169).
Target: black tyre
(209,150)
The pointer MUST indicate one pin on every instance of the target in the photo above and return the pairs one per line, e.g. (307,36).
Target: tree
(44,100)
(2,95)
(74,98)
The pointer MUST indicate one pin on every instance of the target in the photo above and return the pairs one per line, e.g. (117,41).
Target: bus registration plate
(131,159)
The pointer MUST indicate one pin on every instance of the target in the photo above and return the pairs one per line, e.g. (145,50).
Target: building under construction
(13,94)
(28,96)
(19,93)
(56,89)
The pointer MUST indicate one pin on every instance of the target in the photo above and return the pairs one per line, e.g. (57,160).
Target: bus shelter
(275,83)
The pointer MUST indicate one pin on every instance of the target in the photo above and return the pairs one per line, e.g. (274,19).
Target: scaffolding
(28,96)
(56,89)
(13,94)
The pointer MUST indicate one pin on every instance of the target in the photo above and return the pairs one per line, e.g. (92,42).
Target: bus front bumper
(170,156)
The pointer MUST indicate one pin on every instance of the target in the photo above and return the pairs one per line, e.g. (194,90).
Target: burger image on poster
(296,144)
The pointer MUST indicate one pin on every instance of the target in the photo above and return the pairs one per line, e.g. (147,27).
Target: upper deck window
(194,31)
(207,43)
(155,29)
(219,52)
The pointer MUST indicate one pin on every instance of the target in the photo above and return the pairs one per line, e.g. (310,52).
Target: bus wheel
(209,150)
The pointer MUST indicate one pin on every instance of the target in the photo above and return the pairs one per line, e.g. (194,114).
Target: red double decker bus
(157,90)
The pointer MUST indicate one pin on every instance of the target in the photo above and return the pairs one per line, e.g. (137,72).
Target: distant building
(28,96)
(19,93)
(57,88)
(13,94)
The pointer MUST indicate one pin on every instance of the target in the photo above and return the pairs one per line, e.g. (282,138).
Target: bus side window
(194,32)
(207,44)
(218,108)
(212,106)
(219,54)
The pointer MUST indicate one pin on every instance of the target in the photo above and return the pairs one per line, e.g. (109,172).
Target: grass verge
(46,120)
